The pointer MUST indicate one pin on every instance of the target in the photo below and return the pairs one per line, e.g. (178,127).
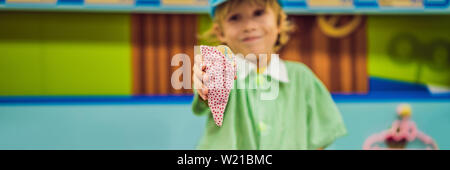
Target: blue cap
(214,3)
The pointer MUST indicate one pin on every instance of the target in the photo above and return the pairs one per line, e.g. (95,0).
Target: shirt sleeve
(199,106)
(325,123)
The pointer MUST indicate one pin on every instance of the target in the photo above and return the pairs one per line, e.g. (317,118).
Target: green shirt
(302,116)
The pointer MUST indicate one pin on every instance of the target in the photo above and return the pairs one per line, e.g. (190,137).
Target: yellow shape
(401,3)
(260,79)
(261,70)
(404,110)
(329,28)
(330,3)
(225,50)
(262,126)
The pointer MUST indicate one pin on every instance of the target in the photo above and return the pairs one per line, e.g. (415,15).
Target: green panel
(88,52)
(410,48)
(204,24)
(20,53)
(75,54)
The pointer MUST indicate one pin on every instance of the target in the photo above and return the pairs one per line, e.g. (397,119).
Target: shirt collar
(276,68)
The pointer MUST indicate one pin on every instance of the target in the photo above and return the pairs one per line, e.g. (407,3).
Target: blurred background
(95,74)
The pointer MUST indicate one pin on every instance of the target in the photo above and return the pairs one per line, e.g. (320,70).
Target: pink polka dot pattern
(221,72)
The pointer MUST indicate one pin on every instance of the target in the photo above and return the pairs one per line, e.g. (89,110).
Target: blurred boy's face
(250,29)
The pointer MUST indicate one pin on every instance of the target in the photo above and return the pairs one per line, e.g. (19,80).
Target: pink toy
(221,70)
(401,132)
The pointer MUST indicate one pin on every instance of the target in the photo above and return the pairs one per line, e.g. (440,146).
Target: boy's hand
(200,77)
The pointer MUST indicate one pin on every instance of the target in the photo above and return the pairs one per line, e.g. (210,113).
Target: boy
(302,115)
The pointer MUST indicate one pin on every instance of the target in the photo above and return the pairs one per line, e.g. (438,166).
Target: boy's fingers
(198,73)
(201,75)
(205,91)
(201,96)
(205,78)
(197,83)
(198,59)
(199,62)
(201,88)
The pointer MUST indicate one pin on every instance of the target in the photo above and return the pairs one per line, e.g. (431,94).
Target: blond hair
(222,10)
